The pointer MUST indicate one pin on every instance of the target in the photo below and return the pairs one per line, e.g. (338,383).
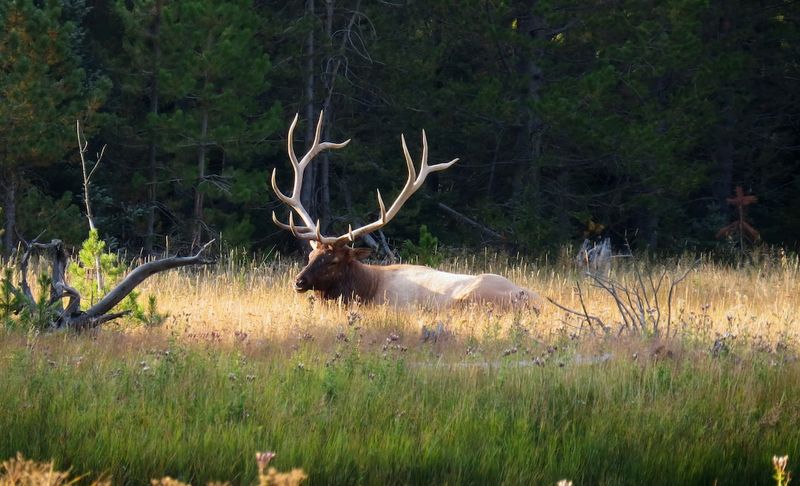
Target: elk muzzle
(301,283)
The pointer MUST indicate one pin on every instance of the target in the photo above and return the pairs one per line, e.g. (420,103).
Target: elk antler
(413,183)
(311,230)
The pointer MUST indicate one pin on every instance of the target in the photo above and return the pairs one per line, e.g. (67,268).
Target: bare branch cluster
(641,305)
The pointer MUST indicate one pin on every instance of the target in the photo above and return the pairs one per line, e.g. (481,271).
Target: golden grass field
(373,395)
(256,301)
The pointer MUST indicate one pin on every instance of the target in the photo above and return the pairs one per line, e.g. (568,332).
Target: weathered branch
(139,274)
(588,317)
(672,290)
(466,219)
(87,176)
(70,316)
(87,180)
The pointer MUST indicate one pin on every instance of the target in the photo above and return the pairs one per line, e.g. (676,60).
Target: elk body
(335,270)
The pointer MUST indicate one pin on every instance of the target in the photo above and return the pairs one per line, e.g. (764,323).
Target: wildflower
(263,459)
(782,477)
(353,317)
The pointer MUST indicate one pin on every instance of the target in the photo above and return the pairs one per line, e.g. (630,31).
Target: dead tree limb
(71,316)
(87,175)
(140,273)
(638,303)
(672,286)
(588,318)
(87,181)
(471,222)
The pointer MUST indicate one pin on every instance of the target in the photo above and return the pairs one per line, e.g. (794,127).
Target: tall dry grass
(241,298)
(360,395)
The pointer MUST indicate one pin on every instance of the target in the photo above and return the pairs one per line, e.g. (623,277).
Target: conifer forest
(635,120)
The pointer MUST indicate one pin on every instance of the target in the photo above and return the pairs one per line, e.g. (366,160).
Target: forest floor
(360,395)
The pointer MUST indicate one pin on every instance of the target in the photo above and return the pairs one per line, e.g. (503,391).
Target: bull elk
(335,270)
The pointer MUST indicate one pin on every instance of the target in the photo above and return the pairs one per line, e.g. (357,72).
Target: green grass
(122,405)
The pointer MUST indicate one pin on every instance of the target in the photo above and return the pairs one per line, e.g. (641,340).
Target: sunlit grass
(357,396)
(257,299)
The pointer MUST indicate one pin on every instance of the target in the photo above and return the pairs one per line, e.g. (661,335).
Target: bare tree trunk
(332,66)
(87,180)
(324,177)
(201,175)
(152,174)
(723,156)
(324,168)
(152,168)
(10,184)
(376,244)
(471,222)
(528,173)
(309,189)
(493,166)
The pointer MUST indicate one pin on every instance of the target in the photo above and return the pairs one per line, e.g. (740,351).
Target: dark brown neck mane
(358,282)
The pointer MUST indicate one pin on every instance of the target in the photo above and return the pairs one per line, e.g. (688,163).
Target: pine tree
(135,65)
(629,117)
(44,90)
(213,75)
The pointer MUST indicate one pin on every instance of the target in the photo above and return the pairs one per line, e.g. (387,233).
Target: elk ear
(360,253)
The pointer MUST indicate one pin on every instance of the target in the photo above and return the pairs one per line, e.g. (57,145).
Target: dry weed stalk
(19,471)
(638,304)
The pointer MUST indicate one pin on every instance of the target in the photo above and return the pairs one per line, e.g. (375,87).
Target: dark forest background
(632,119)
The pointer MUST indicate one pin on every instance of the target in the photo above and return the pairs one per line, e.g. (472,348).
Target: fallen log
(71,316)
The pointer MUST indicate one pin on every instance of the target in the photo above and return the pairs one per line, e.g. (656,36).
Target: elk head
(330,254)
(327,266)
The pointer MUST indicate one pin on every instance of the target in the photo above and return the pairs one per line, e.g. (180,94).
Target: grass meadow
(360,395)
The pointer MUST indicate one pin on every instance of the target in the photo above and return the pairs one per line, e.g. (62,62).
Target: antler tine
(424,163)
(292,226)
(318,131)
(283,197)
(299,232)
(318,146)
(412,173)
(290,141)
(432,168)
(381,205)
